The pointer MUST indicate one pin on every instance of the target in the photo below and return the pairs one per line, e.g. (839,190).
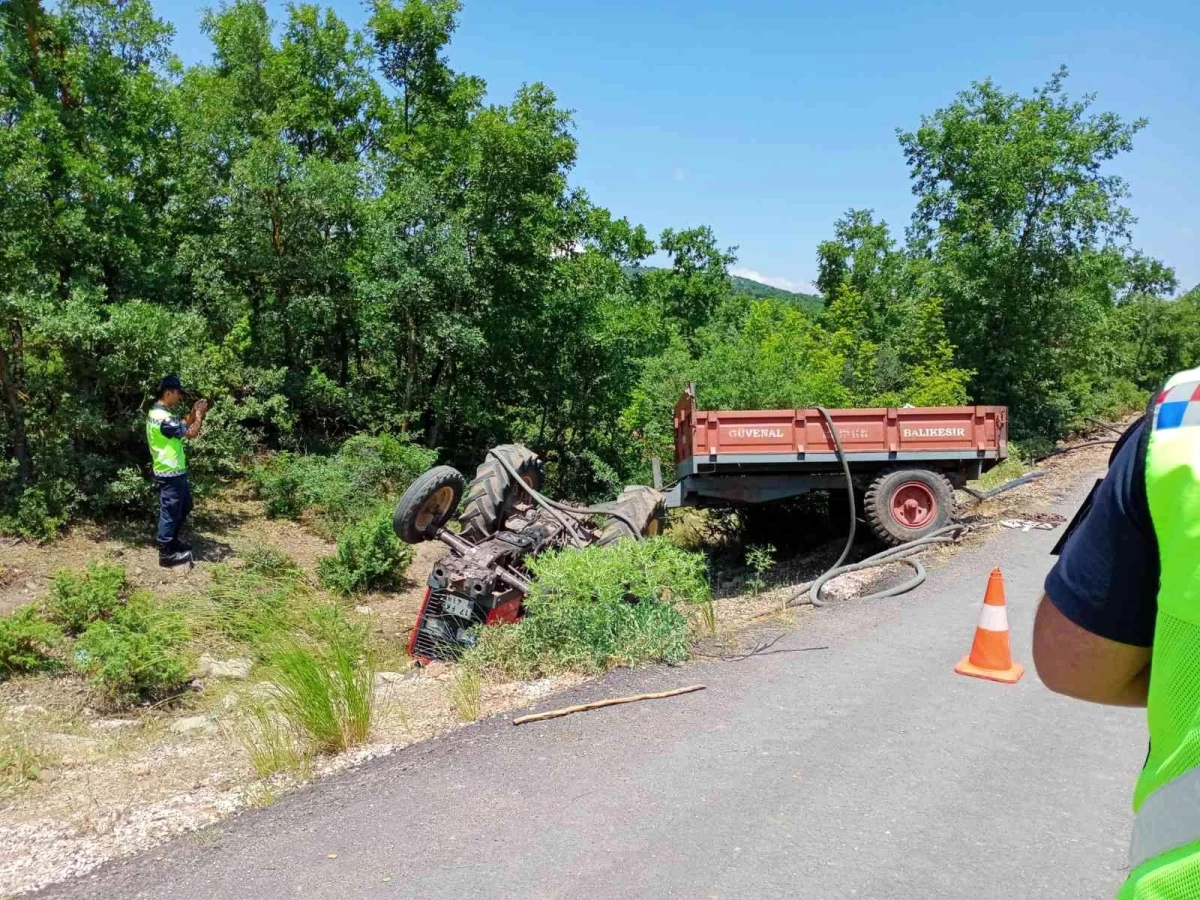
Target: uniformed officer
(165,434)
(1120,624)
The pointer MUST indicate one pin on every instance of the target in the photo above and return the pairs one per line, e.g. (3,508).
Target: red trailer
(904,462)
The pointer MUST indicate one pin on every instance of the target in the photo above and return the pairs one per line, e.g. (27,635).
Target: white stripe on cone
(993,618)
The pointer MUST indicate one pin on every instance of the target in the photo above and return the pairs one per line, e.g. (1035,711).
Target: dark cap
(170,383)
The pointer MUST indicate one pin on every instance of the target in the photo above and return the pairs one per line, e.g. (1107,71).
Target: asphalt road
(867,770)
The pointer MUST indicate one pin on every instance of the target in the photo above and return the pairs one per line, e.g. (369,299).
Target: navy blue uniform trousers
(174,504)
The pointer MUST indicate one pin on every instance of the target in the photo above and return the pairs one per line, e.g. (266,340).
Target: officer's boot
(168,557)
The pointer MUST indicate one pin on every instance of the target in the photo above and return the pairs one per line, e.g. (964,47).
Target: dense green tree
(331,231)
(1024,230)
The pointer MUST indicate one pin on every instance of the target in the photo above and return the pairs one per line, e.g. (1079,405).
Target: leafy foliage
(136,655)
(369,556)
(340,488)
(589,610)
(1029,246)
(79,599)
(27,643)
(329,231)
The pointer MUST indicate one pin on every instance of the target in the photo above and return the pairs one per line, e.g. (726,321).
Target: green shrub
(760,559)
(131,493)
(369,556)
(326,682)
(76,600)
(38,513)
(136,655)
(27,643)
(589,610)
(283,486)
(378,467)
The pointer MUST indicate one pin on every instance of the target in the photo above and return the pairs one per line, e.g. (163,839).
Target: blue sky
(767,119)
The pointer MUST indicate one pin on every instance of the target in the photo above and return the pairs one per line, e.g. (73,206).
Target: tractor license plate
(453,605)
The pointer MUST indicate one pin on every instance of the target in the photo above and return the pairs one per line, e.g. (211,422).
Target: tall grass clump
(270,741)
(270,562)
(325,682)
(21,762)
(251,606)
(593,609)
(466,693)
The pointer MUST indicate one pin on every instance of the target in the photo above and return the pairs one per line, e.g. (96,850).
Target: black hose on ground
(560,511)
(980,496)
(1105,425)
(947,534)
(899,554)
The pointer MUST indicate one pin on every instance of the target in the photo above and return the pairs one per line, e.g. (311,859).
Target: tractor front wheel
(428,504)
(902,505)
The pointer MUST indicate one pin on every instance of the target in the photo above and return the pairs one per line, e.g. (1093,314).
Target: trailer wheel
(428,504)
(492,494)
(902,505)
(643,506)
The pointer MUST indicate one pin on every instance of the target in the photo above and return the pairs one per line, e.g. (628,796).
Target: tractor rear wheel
(902,505)
(643,506)
(492,494)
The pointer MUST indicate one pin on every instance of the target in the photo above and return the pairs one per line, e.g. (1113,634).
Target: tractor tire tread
(643,505)
(491,493)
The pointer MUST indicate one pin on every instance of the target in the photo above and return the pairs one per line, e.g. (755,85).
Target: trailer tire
(428,504)
(644,506)
(902,505)
(492,494)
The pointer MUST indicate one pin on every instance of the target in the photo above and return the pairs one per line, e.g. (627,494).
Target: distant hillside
(809,303)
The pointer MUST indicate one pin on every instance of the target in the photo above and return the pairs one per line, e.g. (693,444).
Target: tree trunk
(410,366)
(12,382)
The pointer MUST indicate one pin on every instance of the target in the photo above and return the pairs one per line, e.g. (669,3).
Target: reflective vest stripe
(1169,818)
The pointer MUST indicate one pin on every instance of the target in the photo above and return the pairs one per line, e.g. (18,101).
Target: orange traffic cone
(990,656)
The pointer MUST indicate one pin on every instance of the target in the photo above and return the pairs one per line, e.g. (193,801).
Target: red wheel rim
(914,504)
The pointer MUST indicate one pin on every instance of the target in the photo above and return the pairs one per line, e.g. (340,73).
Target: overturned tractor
(505,521)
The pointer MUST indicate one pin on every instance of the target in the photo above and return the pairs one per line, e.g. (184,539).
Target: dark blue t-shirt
(1106,578)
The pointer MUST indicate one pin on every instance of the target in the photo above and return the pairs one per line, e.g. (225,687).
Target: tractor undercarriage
(505,521)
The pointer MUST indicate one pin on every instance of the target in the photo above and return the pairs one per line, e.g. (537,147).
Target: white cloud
(787,284)
(677,174)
